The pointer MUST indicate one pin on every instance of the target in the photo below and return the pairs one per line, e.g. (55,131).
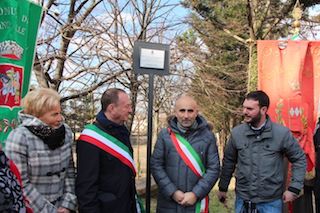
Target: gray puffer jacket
(258,160)
(172,174)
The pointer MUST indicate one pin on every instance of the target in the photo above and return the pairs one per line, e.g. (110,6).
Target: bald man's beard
(187,123)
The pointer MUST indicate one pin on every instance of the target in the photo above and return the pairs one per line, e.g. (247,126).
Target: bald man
(185,161)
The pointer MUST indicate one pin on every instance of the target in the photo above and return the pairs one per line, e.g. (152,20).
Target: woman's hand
(63,210)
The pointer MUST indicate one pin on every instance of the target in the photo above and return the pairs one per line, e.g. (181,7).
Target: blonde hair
(39,101)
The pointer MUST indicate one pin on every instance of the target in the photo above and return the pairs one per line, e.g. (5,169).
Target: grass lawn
(214,205)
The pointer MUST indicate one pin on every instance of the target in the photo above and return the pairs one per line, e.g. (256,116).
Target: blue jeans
(266,207)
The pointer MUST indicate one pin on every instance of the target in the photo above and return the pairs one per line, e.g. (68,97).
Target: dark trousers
(317,188)
(304,203)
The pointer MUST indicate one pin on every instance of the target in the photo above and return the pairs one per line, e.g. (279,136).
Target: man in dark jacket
(105,170)
(256,149)
(185,162)
(316,140)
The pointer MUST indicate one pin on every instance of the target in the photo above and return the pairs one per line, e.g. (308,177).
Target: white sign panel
(151,58)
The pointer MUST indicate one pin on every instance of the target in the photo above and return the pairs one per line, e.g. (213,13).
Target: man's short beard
(255,120)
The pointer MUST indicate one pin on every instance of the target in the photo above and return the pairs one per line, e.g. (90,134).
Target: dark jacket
(172,174)
(258,159)
(316,140)
(104,184)
(11,198)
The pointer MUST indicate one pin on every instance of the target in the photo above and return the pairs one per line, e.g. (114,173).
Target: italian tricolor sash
(193,161)
(95,136)
(92,134)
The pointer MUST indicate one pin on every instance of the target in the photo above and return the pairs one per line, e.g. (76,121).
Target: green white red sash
(95,136)
(92,134)
(193,161)
(139,205)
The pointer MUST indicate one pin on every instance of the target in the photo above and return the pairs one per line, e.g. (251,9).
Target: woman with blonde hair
(41,147)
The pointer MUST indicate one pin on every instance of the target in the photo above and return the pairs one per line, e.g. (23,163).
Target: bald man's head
(186,110)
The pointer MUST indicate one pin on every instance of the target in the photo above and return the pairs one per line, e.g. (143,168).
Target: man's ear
(110,107)
(264,109)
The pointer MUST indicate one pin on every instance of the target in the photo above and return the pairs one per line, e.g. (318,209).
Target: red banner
(11,85)
(289,72)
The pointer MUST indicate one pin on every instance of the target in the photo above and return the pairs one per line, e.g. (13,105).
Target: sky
(177,15)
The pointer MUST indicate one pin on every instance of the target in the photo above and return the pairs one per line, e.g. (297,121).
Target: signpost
(152,59)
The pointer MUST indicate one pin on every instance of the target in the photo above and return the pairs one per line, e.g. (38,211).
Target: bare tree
(86,46)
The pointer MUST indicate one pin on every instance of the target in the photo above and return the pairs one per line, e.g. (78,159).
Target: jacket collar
(105,123)
(27,120)
(202,123)
(266,133)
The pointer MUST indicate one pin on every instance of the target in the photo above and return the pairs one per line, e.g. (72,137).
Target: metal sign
(150,58)
(153,59)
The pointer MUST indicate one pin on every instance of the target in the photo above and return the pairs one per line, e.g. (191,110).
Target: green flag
(19,23)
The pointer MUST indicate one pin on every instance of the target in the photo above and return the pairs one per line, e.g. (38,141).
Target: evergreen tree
(79,112)
(222,46)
